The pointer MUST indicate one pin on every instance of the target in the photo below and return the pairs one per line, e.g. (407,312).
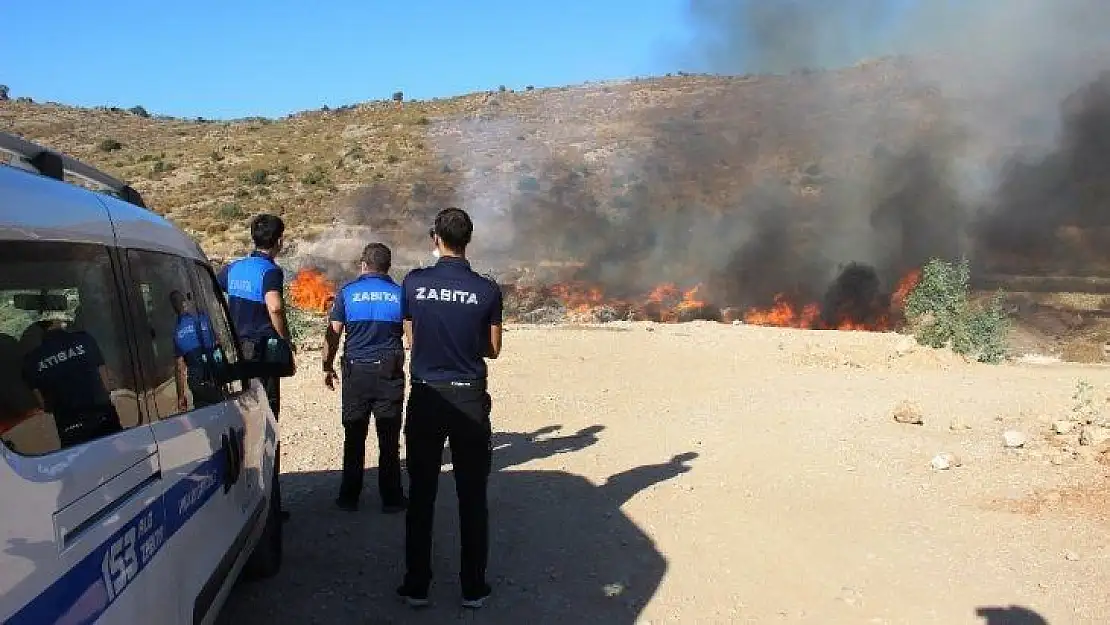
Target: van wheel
(265,562)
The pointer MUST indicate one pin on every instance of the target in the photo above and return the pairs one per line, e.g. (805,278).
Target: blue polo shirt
(370,310)
(192,338)
(452,308)
(246,282)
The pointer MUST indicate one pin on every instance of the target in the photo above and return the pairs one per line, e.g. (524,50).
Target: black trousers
(437,413)
(254,350)
(373,389)
(204,393)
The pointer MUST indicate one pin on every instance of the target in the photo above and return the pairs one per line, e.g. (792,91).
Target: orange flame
(788,315)
(311,290)
(784,315)
(578,297)
(905,286)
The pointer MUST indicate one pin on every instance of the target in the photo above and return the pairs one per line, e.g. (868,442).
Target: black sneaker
(477,601)
(413,598)
(284,514)
(346,504)
(394,507)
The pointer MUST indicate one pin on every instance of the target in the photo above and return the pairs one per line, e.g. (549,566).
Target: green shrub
(109,145)
(161,167)
(941,314)
(230,211)
(315,176)
(306,328)
(258,177)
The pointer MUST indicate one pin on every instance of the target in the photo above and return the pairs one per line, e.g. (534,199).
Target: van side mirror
(228,372)
(244,370)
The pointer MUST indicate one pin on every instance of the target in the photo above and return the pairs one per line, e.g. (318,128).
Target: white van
(137,473)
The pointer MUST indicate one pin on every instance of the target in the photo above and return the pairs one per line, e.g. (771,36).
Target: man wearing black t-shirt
(452,318)
(70,380)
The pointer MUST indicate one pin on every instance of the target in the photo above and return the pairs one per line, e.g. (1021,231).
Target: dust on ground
(709,473)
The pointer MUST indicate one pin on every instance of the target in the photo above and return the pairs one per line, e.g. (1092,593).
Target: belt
(378,359)
(364,361)
(473,384)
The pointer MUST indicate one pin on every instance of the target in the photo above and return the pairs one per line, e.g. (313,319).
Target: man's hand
(330,378)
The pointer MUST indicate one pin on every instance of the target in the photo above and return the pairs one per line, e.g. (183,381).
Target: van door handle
(233,457)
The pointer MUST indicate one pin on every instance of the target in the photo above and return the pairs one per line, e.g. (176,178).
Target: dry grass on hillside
(209,176)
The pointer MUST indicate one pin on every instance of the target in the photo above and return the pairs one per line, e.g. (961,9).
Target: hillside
(741,190)
(209,176)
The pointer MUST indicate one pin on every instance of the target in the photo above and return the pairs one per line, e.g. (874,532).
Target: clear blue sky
(232,58)
(222,59)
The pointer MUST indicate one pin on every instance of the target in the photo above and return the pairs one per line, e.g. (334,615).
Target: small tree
(4,93)
(138,111)
(941,313)
(399,96)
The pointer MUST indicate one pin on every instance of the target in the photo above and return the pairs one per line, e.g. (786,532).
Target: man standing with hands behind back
(452,319)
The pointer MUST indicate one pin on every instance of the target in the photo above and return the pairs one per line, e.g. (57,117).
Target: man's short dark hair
(266,230)
(377,257)
(454,228)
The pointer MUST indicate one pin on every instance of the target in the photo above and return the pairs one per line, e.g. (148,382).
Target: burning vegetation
(810,199)
(854,302)
(312,291)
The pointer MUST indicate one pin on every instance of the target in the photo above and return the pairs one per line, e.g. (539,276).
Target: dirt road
(705,473)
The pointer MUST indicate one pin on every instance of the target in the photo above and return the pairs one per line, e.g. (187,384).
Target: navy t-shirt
(370,310)
(246,282)
(192,338)
(452,308)
(65,368)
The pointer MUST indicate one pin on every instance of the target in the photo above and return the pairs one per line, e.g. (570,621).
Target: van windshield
(65,373)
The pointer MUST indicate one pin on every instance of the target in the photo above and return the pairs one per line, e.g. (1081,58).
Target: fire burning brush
(312,291)
(853,302)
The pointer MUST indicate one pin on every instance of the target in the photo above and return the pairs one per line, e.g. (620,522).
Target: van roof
(37,204)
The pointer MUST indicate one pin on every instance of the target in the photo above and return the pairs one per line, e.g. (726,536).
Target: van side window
(180,376)
(214,306)
(66,373)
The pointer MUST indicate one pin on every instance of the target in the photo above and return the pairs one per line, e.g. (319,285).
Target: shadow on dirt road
(561,549)
(1010,615)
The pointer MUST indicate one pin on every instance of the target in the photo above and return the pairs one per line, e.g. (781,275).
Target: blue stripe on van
(87,590)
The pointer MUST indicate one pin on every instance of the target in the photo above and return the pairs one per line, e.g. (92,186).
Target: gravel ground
(707,473)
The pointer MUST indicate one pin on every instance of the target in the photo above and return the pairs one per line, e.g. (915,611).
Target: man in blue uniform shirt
(193,343)
(67,373)
(373,376)
(255,289)
(453,322)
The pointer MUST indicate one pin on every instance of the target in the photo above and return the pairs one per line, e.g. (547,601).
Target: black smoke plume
(987,136)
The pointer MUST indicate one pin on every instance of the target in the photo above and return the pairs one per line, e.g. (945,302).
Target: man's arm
(275,301)
(180,370)
(96,358)
(495,321)
(337,317)
(406,314)
(331,343)
(221,278)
